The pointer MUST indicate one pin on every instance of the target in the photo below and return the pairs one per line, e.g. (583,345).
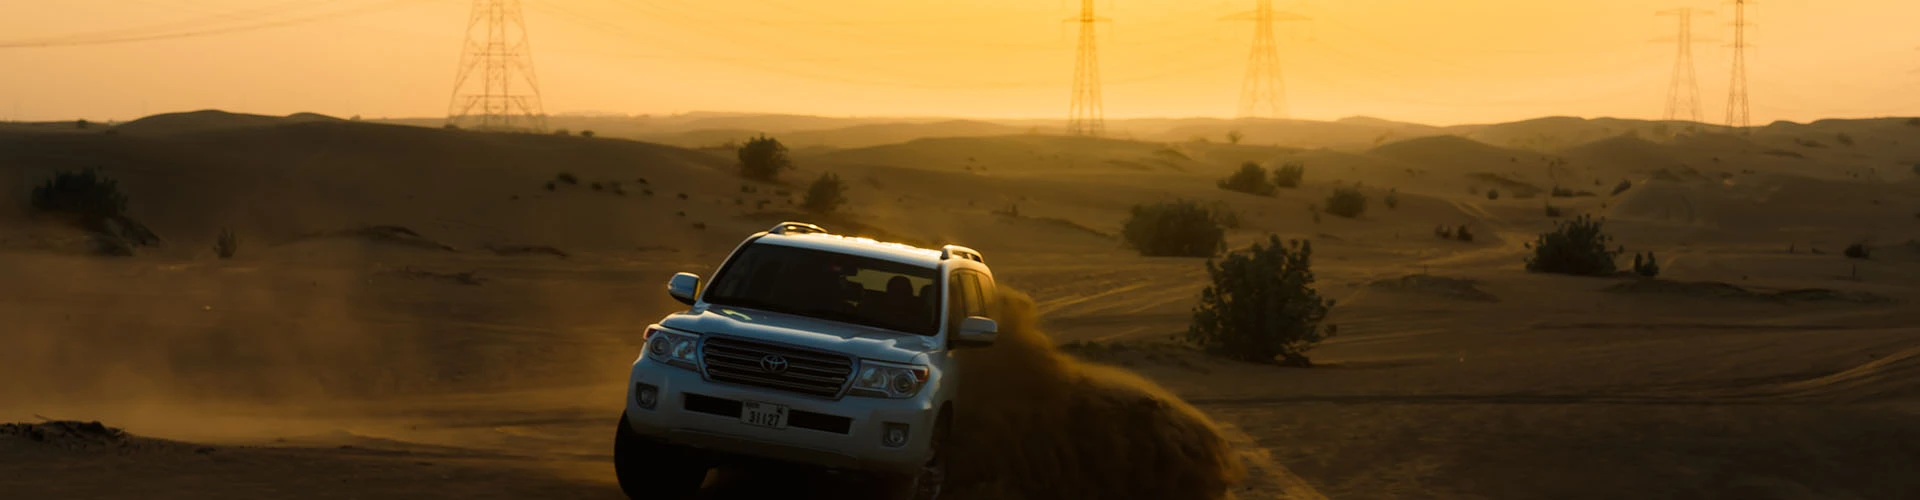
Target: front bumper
(692,411)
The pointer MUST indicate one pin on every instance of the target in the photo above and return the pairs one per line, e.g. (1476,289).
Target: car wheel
(930,479)
(651,469)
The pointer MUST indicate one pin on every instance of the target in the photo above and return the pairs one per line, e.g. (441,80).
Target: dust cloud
(1039,424)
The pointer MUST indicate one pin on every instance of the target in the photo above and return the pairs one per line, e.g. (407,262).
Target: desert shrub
(227,244)
(825,195)
(85,193)
(1392,200)
(596,186)
(1289,174)
(1347,202)
(587,134)
(1577,247)
(567,178)
(1463,234)
(1560,192)
(1443,232)
(681,196)
(1844,139)
(550,186)
(1622,187)
(1493,194)
(1916,169)
(1858,251)
(762,159)
(1174,229)
(1234,136)
(1261,305)
(562,132)
(1250,179)
(1913,122)
(1646,265)
(81,124)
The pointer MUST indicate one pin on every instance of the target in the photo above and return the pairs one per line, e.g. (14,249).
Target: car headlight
(892,380)
(672,347)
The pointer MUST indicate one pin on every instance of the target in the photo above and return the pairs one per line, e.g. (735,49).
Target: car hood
(800,331)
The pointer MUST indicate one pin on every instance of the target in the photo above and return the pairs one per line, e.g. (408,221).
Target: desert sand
(414,313)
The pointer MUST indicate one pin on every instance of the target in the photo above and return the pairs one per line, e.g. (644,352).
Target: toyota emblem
(774,364)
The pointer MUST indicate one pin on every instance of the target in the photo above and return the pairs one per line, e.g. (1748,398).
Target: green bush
(1261,305)
(568,178)
(1646,265)
(1493,194)
(825,195)
(1858,251)
(1463,234)
(1553,211)
(1577,247)
(1174,229)
(1392,200)
(1622,187)
(85,193)
(1289,174)
(762,159)
(1347,202)
(227,245)
(1250,179)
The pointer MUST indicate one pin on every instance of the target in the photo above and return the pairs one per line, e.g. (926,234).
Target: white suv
(808,348)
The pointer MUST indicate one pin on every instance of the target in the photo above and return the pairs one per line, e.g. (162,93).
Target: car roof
(853,245)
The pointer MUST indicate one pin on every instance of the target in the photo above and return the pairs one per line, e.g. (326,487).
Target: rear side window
(965,297)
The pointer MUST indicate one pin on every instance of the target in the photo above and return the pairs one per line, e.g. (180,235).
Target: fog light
(646,395)
(895,435)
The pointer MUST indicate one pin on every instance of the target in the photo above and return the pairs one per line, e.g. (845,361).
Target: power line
(503,59)
(1086,116)
(1265,82)
(1683,90)
(108,38)
(1739,109)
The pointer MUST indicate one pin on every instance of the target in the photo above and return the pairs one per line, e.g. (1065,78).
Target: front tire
(930,480)
(652,469)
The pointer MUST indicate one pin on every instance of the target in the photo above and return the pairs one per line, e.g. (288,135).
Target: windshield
(831,286)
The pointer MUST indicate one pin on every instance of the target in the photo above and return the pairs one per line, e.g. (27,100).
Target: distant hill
(211,120)
(282,178)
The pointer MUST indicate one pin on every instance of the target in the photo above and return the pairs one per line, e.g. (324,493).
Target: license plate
(763,414)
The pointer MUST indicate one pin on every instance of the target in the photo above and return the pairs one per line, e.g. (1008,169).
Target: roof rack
(796,228)
(950,251)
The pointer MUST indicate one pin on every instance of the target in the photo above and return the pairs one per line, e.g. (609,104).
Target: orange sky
(1443,62)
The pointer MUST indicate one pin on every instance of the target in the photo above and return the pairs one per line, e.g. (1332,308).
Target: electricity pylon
(496,88)
(1683,93)
(1739,109)
(1265,82)
(1086,116)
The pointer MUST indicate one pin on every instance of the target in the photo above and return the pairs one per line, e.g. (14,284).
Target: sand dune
(415,309)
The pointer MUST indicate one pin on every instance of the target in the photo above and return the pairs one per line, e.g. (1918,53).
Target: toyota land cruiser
(811,348)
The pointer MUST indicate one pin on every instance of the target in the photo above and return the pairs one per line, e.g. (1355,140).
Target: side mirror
(683,286)
(976,331)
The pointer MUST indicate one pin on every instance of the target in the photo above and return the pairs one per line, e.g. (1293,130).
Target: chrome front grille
(745,362)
